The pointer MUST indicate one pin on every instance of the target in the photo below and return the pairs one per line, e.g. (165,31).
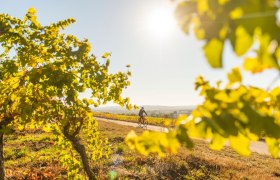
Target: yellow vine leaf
(202,6)
(235,75)
(243,41)
(222,2)
(273,146)
(236,13)
(213,51)
(217,142)
(223,32)
(253,65)
(240,144)
(106,55)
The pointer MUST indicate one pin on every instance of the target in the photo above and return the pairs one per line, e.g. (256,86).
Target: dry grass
(32,155)
(200,163)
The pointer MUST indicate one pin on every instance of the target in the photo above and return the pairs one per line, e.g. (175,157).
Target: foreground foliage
(243,23)
(235,112)
(42,72)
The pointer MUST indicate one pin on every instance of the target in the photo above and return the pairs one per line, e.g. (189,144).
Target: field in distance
(160,121)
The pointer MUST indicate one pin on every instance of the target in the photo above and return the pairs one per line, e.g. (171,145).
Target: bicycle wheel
(139,123)
(145,124)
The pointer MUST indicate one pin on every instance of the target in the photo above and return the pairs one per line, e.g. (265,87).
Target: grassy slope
(200,163)
(32,154)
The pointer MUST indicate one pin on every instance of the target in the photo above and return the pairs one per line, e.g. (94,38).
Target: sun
(160,22)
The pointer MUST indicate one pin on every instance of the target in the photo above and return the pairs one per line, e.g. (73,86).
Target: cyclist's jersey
(141,112)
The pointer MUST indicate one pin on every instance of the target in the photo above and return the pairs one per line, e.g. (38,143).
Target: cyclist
(141,115)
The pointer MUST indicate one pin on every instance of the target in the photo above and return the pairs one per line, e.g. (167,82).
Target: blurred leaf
(236,13)
(213,51)
(106,55)
(217,142)
(235,75)
(273,146)
(240,144)
(243,41)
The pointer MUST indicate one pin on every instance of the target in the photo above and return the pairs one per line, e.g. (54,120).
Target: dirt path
(258,147)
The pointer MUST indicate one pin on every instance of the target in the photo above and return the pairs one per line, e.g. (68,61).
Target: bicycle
(144,124)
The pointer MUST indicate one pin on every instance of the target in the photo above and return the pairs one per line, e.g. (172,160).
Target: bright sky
(164,63)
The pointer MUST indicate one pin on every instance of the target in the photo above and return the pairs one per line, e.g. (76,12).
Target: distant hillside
(150,109)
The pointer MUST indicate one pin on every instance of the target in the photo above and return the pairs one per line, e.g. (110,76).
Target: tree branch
(80,148)
(5,121)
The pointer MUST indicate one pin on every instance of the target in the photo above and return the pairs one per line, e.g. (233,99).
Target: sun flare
(160,22)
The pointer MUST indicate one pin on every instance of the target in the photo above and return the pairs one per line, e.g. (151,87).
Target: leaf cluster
(248,25)
(42,73)
(236,113)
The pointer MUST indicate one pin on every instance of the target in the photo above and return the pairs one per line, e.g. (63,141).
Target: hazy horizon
(143,105)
